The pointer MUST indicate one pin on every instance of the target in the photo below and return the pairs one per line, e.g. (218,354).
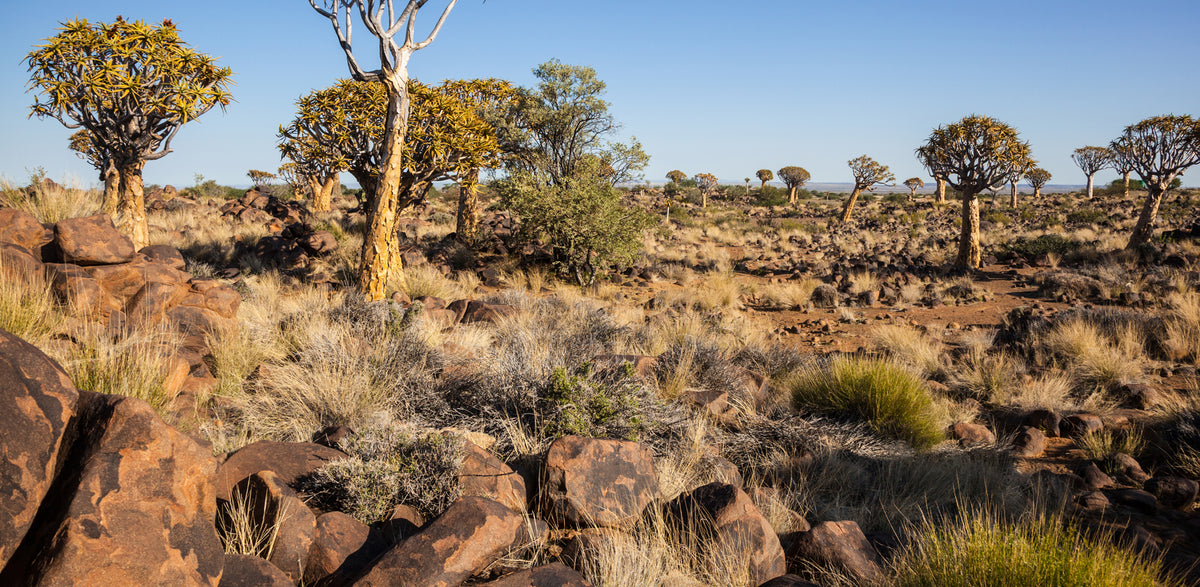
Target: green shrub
(1047,243)
(584,220)
(771,196)
(892,400)
(997,217)
(1087,216)
(896,198)
(581,404)
(388,466)
(979,550)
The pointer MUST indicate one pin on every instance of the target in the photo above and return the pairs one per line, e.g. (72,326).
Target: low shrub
(892,400)
(981,549)
(1042,245)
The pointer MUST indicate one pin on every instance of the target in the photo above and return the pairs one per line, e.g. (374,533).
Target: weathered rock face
(551,575)
(21,228)
(288,460)
(597,482)
(244,570)
(138,508)
(341,547)
(486,476)
(1029,443)
(465,539)
(841,544)
(92,241)
(737,527)
(39,403)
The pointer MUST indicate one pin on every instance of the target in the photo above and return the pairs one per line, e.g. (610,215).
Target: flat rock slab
(245,570)
(551,575)
(93,240)
(597,482)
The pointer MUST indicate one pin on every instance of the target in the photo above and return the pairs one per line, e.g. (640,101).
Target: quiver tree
(131,86)
(82,144)
(939,192)
(763,175)
(1013,177)
(794,178)
(315,166)
(491,100)
(259,177)
(1159,150)
(1121,165)
(973,154)
(867,173)
(913,184)
(676,176)
(707,182)
(395,32)
(1037,178)
(1091,160)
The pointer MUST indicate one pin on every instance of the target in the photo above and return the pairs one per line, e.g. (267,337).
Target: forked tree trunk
(1090,185)
(380,250)
(941,191)
(1145,224)
(1127,184)
(1012,194)
(792,194)
(704,199)
(848,207)
(112,188)
(321,191)
(912,194)
(131,206)
(468,207)
(314,193)
(969,252)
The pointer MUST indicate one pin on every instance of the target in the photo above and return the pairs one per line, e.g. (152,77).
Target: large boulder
(342,547)
(597,482)
(136,506)
(17,264)
(76,287)
(246,570)
(21,228)
(39,403)
(738,529)
(93,240)
(288,460)
(485,475)
(841,545)
(465,539)
(551,575)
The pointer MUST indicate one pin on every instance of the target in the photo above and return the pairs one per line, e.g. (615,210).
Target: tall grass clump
(134,366)
(892,400)
(913,348)
(982,550)
(48,202)
(27,307)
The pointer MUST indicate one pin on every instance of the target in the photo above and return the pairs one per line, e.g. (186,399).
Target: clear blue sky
(706,86)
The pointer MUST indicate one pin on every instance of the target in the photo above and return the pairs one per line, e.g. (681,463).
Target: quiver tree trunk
(792,194)
(467,225)
(131,205)
(321,191)
(1037,192)
(1012,195)
(969,252)
(848,207)
(940,192)
(1090,185)
(1126,177)
(381,253)
(1145,224)
(112,188)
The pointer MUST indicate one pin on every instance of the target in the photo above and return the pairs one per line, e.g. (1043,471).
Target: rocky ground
(493,425)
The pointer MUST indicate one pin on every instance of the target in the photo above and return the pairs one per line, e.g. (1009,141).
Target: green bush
(997,217)
(583,219)
(580,403)
(1087,216)
(1047,243)
(771,196)
(893,401)
(981,550)
(389,466)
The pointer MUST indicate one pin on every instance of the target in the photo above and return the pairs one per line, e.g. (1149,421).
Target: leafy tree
(867,173)
(707,182)
(380,247)
(563,123)
(446,137)
(88,150)
(794,178)
(971,155)
(492,100)
(676,176)
(1038,178)
(1091,160)
(582,219)
(1013,177)
(131,86)
(314,166)
(1159,150)
(763,175)
(913,184)
(259,177)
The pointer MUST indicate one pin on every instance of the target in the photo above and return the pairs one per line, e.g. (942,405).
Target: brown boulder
(139,506)
(271,504)
(320,242)
(21,228)
(1029,443)
(551,575)
(600,482)
(736,526)
(788,581)
(18,264)
(288,460)
(150,304)
(39,403)
(1080,424)
(839,544)
(247,570)
(93,240)
(971,433)
(121,281)
(465,539)
(1128,467)
(1095,479)
(477,311)
(223,300)
(74,286)
(341,548)
(484,475)
(1174,492)
(164,255)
